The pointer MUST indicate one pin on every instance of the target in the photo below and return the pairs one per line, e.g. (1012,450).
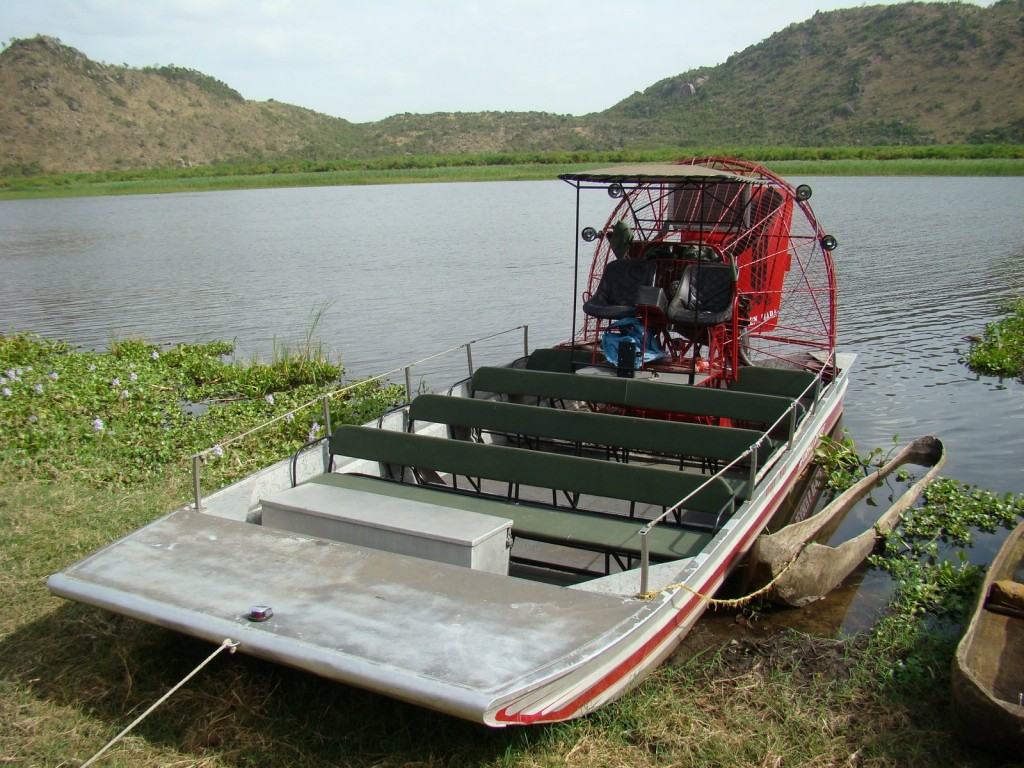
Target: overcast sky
(364,60)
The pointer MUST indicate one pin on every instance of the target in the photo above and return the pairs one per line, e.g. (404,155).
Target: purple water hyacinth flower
(92,367)
(116,382)
(53,375)
(313,430)
(38,388)
(6,391)
(217,450)
(124,394)
(2,381)
(11,374)
(289,417)
(134,376)
(269,399)
(155,355)
(97,424)
(33,419)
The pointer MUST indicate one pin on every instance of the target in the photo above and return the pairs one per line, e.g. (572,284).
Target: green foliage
(1000,350)
(935,585)
(842,466)
(135,411)
(210,85)
(925,556)
(1005,160)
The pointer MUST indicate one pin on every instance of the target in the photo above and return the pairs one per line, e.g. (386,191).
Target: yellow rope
(736,602)
(228,643)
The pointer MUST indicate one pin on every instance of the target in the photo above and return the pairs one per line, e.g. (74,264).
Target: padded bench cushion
(573,474)
(632,393)
(630,432)
(554,526)
(558,359)
(787,382)
(548,384)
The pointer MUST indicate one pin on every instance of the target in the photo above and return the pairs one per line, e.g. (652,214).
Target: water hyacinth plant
(999,351)
(154,408)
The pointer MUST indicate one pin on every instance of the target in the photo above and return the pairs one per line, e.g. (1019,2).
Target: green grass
(985,160)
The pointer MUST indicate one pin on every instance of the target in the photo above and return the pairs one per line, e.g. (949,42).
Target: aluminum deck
(400,625)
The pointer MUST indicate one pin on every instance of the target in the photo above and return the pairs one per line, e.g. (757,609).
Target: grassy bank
(71,676)
(999,160)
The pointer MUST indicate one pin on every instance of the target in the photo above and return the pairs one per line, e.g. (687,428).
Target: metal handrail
(645,556)
(324,400)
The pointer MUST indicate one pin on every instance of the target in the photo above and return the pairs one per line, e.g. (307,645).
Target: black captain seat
(616,294)
(705,295)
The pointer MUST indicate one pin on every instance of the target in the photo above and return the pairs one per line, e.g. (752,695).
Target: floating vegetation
(926,553)
(842,466)
(1000,349)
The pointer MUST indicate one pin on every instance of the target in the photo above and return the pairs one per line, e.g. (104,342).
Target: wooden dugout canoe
(988,669)
(819,568)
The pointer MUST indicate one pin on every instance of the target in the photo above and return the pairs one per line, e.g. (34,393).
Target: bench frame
(615,433)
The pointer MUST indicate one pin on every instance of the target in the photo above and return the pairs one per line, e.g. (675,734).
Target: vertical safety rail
(326,412)
(196,461)
(645,554)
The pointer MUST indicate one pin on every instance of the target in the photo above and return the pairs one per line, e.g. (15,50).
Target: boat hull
(988,669)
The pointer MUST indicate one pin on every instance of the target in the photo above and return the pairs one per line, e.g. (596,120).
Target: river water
(399,272)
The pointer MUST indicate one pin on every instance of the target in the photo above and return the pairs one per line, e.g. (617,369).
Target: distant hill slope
(916,73)
(919,73)
(60,111)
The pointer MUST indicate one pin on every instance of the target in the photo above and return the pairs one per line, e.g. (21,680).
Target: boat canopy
(655,173)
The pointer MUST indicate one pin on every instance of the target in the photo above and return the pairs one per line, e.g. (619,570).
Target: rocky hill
(914,73)
(60,111)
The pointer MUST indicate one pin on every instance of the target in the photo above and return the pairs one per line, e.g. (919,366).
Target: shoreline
(165,181)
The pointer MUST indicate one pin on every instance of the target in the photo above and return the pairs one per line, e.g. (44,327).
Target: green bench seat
(580,530)
(636,394)
(786,382)
(537,469)
(628,433)
(550,385)
(558,359)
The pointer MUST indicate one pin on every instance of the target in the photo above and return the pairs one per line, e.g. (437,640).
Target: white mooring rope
(228,643)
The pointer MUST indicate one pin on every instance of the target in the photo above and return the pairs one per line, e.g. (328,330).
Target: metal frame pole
(195,481)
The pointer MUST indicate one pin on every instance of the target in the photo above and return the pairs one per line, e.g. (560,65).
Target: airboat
(526,545)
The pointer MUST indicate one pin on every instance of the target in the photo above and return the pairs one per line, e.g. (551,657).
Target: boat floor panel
(462,627)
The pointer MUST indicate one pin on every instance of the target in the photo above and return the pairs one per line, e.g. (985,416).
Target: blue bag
(626,329)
